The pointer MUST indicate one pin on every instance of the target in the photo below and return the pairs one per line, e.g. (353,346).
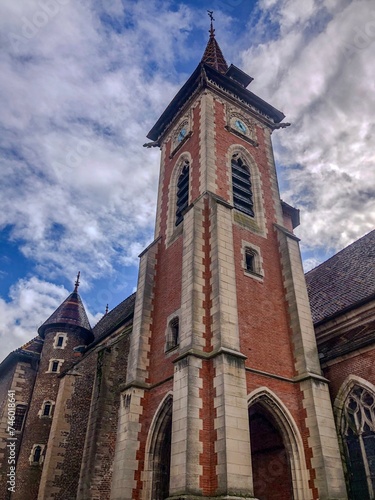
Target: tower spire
(70,313)
(212,30)
(213,55)
(76,284)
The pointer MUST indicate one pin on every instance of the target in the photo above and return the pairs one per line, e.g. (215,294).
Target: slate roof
(70,313)
(28,352)
(33,345)
(213,55)
(344,281)
(115,318)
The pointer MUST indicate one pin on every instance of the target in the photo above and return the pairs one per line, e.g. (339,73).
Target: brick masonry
(20,379)
(37,426)
(246,346)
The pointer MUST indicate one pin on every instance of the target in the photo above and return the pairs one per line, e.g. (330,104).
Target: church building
(229,373)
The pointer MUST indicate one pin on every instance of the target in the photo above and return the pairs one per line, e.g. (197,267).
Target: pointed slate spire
(71,313)
(213,55)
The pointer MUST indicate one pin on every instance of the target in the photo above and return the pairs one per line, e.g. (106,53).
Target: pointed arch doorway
(270,461)
(160,452)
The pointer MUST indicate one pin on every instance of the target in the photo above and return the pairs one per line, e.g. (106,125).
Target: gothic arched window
(241,186)
(182,193)
(36,454)
(358,432)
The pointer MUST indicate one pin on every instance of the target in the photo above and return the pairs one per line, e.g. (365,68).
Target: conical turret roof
(213,55)
(71,313)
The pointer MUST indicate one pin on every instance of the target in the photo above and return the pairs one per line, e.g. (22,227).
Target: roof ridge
(113,309)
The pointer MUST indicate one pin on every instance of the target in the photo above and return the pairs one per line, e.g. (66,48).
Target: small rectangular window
(47,409)
(250,261)
(173,335)
(55,366)
(60,341)
(37,453)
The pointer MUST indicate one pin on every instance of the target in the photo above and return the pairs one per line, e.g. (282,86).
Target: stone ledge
(210,355)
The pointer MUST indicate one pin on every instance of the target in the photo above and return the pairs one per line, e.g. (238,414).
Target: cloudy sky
(83,81)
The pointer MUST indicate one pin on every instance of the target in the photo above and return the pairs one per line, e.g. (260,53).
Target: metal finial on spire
(106,309)
(212,55)
(211,16)
(76,284)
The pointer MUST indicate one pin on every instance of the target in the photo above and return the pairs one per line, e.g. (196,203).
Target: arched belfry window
(241,186)
(358,433)
(182,193)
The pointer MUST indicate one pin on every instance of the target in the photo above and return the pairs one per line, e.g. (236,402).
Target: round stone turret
(70,315)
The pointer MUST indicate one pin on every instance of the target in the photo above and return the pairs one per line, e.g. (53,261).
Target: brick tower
(224,395)
(68,327)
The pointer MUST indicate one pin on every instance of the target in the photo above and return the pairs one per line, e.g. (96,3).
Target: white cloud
(32,302)
(81,89)
(322,79)
(79,100)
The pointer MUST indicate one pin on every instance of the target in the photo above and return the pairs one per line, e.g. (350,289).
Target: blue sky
(82,83)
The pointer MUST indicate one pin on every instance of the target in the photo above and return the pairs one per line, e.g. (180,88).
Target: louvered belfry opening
(241,185)
(182,193)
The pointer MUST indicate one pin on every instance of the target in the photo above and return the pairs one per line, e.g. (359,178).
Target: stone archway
(279,465)
(162,461)
(158,456)
(270,461)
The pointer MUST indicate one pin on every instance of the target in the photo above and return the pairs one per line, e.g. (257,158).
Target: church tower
(66,329)
(224,395)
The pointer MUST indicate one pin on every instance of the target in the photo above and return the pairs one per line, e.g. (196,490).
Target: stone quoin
(225,375)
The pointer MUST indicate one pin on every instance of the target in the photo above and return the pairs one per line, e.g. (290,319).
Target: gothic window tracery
(358,431)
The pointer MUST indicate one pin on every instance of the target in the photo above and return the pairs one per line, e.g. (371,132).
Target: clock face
(181,134)
(240,126)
